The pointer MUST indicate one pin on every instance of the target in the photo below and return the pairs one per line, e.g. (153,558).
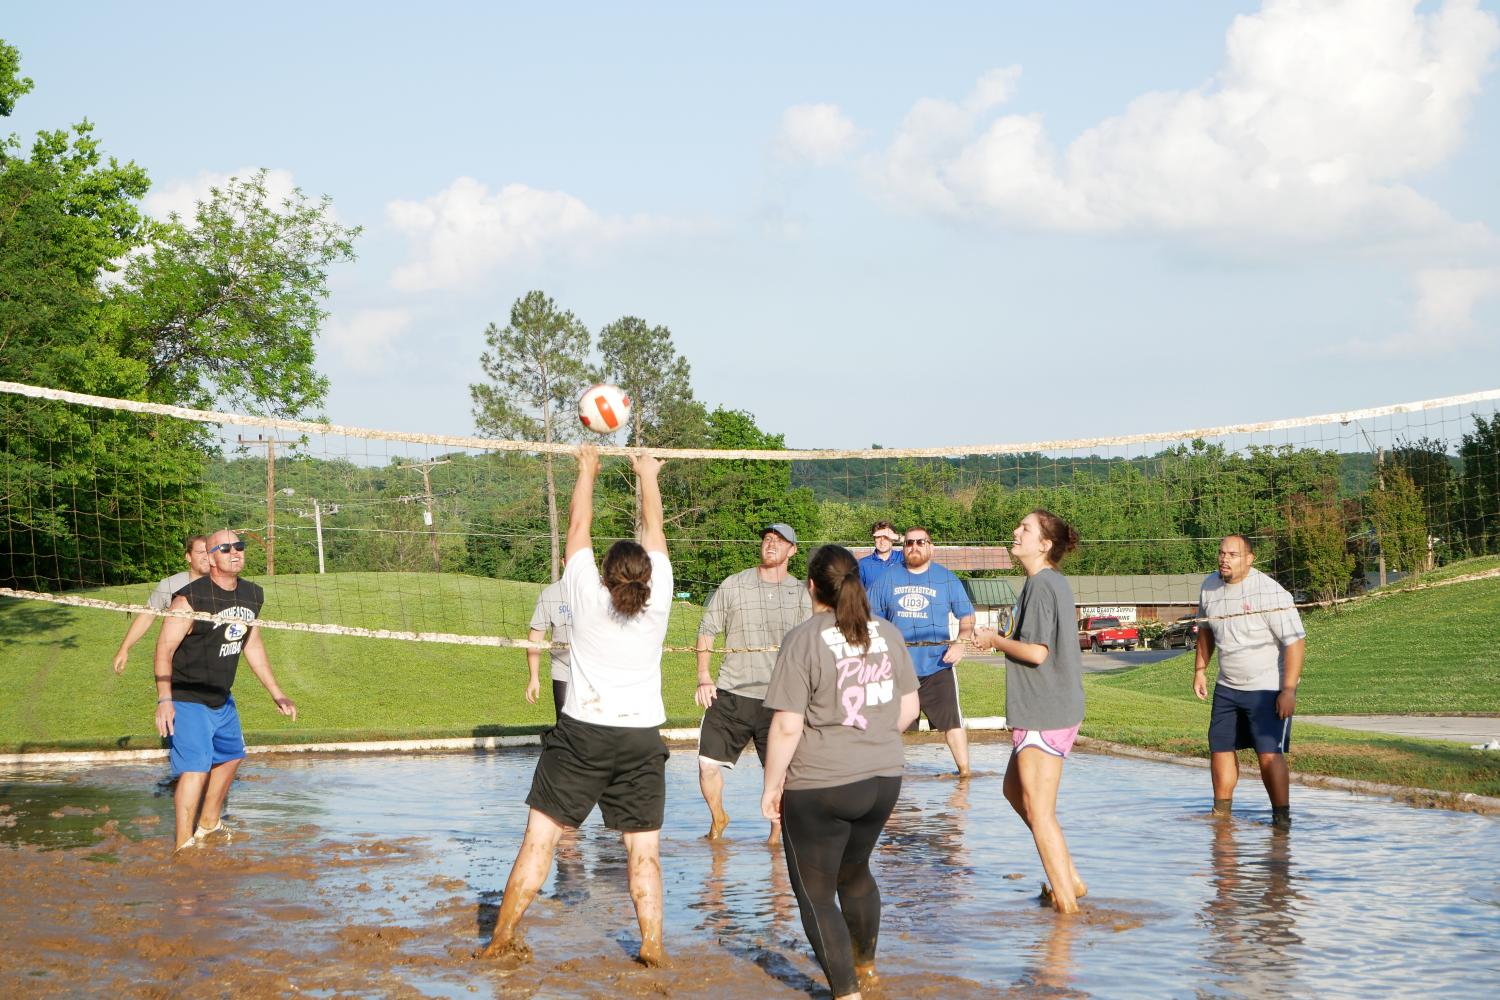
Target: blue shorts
(203,738)
(1244,719)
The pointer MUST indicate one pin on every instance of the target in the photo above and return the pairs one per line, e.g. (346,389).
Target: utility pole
(426,467)
(260,441)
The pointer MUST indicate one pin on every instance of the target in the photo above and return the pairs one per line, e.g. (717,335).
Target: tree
(1317,543)
(1429,466)
(226,309)
(536,364)
(724,504)
(642,360)
(1400,524)
(1479,489)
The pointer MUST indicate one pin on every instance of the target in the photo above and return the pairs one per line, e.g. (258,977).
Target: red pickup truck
(1105,633)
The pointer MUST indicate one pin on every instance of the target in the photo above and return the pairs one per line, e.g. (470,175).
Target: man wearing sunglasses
(195,667)
(917,597)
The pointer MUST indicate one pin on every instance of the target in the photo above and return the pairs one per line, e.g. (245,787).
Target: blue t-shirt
(918,604)
(872,567)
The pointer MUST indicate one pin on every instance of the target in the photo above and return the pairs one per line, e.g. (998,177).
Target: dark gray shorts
(938,695)
(730,722)
(620,769)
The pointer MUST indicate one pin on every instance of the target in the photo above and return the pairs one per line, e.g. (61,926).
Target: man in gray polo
(1251,620)
(195,551)
(754,609)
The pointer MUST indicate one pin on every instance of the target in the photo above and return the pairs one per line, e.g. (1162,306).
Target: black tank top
(203,666)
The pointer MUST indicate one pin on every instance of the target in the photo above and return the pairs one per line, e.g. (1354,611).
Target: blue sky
(988,222)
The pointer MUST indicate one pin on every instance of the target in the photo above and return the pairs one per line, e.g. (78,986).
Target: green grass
(1426,651)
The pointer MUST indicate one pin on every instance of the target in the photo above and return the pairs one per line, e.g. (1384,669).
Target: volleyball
(603,408)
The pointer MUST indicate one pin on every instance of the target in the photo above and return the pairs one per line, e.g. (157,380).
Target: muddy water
(379,876)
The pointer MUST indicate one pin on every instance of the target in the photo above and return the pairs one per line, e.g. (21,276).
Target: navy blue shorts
(203,737)
(1245,719)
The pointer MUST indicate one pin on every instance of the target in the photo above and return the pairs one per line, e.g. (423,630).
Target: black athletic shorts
(730,722)
(620,769)
(938,695)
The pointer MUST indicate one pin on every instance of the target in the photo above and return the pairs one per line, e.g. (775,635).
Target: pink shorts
(1057,742)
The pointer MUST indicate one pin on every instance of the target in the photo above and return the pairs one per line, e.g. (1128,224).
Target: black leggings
(828,835)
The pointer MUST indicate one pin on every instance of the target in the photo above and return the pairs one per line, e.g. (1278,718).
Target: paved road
(1467,730)
(1102,663)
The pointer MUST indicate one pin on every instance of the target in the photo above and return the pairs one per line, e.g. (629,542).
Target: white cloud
(465,231)
(1319,112)
(1442,316)
(367,340)
(183,195)
(816,133)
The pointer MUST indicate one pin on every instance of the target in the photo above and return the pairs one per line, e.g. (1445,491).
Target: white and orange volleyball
(603,408)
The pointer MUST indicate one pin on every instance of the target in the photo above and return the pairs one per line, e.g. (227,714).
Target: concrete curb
(672,735)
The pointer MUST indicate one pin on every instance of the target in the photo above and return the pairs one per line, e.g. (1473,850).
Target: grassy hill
(1420,652)
(57,690)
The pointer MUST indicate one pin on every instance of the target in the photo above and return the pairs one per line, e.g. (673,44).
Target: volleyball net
(450,538)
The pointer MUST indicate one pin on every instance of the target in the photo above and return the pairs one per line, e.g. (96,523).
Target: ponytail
(834,574)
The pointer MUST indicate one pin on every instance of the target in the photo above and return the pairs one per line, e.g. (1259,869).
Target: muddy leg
(186,802)
(1224,766)
(711,780)
(644,854)
(219,780)
(526,878)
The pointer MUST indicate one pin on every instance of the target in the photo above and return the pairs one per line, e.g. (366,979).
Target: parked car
(1105,632)
(1182,633)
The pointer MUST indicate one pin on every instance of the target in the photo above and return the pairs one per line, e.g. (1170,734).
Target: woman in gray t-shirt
(843,690)
(1043,694)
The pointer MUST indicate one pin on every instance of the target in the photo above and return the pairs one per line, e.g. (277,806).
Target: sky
(863,224)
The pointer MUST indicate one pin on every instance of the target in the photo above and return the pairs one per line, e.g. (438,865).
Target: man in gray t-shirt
(754,610)
(195,551)
(1252,622)
(551,613)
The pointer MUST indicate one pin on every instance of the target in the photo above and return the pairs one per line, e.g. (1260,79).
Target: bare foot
(1058,904)
(716,826)
(653,955)
(511,948)
(865,973)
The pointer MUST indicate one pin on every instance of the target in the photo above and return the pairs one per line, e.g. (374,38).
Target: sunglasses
(226,546)
(916,541)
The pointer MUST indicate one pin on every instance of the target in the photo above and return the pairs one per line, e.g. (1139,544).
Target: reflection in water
(1050,959)
(1363,894)
(1252,915)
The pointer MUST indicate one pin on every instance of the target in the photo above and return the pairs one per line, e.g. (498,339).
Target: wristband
(160,701)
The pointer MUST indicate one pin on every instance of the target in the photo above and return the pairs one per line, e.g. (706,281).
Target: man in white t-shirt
(1252,621)
(606,748)
(196,553)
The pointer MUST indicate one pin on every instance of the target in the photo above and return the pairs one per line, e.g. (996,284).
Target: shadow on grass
(27,621)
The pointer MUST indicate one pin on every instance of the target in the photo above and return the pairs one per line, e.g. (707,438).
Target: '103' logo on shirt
(861,682)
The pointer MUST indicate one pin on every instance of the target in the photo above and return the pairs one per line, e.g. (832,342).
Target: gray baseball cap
(784,530)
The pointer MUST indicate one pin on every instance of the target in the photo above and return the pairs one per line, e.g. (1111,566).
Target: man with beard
(917,598)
